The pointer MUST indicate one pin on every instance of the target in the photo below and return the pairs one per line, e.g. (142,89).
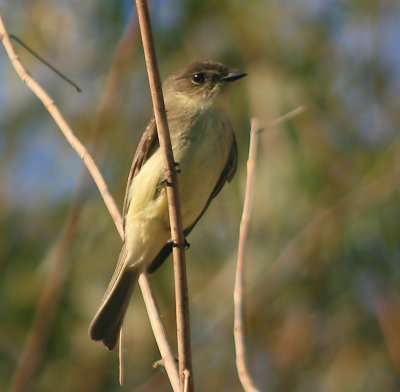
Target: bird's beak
(233,76)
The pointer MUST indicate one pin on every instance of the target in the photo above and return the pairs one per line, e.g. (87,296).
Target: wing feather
(147,146)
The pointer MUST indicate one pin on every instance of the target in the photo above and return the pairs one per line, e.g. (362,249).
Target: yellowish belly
(202,157)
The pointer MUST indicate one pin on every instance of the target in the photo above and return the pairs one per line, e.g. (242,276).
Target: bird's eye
(198,78)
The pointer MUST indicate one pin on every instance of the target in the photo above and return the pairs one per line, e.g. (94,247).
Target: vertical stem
(181,292)
(238,329)
(238,293)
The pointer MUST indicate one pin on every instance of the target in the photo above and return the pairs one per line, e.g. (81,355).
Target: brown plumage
(205,148)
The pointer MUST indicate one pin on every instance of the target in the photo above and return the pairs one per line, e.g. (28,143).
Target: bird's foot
(185,245)
(166,180)
(177,164)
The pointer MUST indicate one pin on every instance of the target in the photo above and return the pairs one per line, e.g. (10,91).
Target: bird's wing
(147,145)
(226,176)
(107,322)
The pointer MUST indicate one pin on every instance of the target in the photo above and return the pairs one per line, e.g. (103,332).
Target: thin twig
(120,356)
(181,292)
(109,201)
(186,379)
(281,119)
(159,333)
(54,69)
(238,294)
(238,329)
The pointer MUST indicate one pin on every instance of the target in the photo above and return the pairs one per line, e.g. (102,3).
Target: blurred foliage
(323,307)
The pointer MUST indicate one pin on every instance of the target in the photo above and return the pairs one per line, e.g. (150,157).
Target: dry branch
(154,316)
(281,119)
(181,291)
(238,292)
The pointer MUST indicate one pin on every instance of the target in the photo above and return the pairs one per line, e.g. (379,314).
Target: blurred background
(323,272)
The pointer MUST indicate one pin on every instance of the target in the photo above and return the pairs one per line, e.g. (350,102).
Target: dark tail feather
(109,318)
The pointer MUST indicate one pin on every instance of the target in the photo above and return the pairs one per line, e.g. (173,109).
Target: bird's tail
(108,320)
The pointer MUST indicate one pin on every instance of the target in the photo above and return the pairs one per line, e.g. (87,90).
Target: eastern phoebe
(205,149)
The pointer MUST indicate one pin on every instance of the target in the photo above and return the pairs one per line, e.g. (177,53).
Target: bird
(205,151)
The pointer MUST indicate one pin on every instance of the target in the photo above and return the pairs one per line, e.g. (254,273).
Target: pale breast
(202,154)
(201,148)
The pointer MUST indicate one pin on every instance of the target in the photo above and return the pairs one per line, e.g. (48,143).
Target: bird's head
(199,84)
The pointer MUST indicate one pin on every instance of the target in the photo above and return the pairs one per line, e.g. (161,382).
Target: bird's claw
(177,164)
(183,246)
